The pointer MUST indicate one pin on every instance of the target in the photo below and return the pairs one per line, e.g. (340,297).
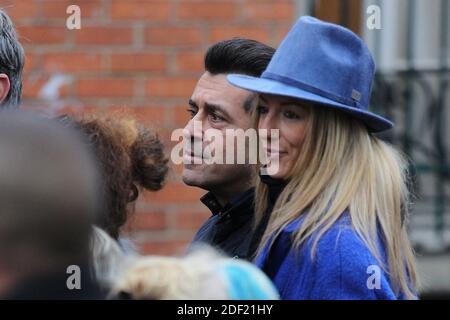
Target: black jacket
(230,228)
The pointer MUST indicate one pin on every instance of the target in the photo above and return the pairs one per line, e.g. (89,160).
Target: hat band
(311,89)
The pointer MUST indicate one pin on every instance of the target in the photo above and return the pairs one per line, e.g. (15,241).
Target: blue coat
(343,266)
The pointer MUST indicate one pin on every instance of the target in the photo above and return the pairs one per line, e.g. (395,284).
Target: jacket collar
(276,186)
(241,203)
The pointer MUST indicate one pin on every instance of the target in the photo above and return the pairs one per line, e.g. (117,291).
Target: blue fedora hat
(323,63)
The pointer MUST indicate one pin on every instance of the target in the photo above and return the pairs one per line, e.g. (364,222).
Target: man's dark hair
(242,56)
(12,59)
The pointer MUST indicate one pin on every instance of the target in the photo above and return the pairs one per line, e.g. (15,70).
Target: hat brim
(374,122)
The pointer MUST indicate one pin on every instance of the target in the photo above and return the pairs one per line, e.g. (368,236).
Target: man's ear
(4,86)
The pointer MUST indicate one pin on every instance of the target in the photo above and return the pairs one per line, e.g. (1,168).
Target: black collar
(239,204)
(276,186)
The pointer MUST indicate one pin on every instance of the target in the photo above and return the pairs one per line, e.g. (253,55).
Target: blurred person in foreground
(48,198)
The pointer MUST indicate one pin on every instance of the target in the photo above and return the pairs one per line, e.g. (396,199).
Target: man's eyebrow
(192,103)
(211,107)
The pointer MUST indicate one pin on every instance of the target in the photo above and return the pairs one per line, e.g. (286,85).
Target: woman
(335,209)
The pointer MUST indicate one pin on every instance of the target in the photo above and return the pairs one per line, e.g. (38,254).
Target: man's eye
(215,117)
(262,110)
(291,115)
(192,112)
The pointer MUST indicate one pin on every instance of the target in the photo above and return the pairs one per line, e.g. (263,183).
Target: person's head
(217,105)
(329,157)
(48,197)
(131,158)
(290,117)
(12,59)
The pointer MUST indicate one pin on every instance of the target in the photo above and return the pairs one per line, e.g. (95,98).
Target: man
(215,104)
(12,59)
(49,198)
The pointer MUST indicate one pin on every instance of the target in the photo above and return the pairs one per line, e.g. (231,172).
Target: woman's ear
(4,86)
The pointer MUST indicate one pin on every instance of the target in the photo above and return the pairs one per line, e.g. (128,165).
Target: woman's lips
(271,152)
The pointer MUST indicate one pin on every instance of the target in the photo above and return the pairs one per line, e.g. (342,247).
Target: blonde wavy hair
(344,167)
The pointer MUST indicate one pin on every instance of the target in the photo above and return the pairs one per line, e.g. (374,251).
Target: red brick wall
(140,58)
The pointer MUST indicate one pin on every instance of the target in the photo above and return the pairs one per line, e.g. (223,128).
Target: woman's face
(290,116)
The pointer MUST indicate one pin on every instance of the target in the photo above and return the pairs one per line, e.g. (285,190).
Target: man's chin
(192,175)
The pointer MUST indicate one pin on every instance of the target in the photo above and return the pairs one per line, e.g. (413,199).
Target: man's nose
(193,131)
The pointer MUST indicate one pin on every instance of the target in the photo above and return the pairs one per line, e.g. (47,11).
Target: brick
(227,32)
(190,220)
(180,116)
(206,10)
(105,35)
(264,10)
(147,221)
(165,136)
(32,87)
(165,247)
(56,9)
(175,193)
(37,35)
(17,10)
(150,116)
(138,62)
(75,109)
(280,33)
(177,169)
(170,87)
(105,87)
(190,61)
(30,62)
(72,62)
(147,115)
(173,36)
(139,9)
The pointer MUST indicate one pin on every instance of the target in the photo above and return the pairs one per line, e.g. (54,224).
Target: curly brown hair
(131,157)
